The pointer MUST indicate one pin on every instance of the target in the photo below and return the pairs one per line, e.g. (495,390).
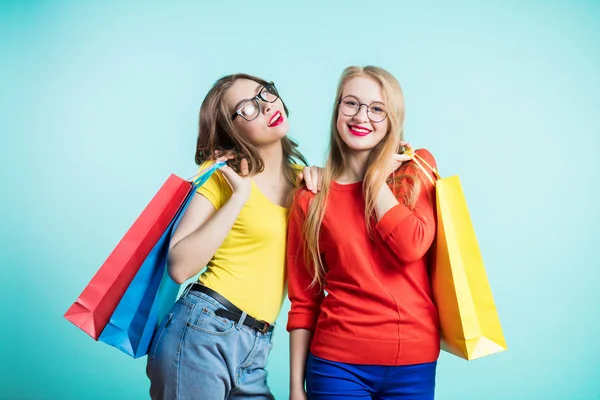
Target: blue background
(99,103)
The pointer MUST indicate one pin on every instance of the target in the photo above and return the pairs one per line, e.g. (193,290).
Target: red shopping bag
(95,305)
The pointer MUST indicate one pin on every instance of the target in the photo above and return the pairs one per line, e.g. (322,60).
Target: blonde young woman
(214,342)
(363,324)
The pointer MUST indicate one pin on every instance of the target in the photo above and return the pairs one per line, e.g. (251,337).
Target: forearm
(384,201)
(299,347)
(409,231)
(188,256)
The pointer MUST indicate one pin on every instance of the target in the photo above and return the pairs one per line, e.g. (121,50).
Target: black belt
(231,311)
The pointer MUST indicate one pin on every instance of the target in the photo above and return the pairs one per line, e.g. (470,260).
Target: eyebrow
(239,103)
(356,97)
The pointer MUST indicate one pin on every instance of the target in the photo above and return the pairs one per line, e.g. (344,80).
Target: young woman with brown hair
(214,342)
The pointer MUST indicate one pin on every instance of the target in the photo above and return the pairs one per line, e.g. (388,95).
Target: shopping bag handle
(196,178)
(418,160)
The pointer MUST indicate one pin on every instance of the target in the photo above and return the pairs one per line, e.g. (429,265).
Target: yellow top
(249,267)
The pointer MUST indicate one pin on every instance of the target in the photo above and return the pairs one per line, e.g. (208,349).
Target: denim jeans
(197,355)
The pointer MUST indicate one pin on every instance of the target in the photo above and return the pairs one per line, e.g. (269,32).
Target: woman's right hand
(240,183)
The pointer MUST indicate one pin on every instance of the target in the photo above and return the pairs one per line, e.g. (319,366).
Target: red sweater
(378,309)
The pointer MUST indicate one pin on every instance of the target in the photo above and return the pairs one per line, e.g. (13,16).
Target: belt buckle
(265,328)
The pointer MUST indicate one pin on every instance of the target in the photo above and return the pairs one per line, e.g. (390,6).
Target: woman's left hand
(398,159)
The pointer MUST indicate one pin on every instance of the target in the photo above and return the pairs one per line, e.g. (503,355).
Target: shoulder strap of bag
(418,160)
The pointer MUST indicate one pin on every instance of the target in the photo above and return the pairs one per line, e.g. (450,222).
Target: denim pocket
(158,334)
(208,322)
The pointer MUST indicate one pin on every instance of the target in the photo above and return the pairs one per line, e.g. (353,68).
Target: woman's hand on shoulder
(312,178)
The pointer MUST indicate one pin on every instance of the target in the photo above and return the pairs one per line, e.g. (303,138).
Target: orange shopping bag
(470,325)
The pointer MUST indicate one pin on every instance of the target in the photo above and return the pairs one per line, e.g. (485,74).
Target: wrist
(296,389)
(297,384)
(383,189)
(240,197)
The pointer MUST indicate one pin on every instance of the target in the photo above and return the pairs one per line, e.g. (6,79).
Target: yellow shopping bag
(470,326)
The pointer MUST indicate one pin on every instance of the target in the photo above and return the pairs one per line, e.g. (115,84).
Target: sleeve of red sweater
(410,231)
(305,299)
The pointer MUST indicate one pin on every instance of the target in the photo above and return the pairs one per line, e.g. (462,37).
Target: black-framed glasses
(350,106)
(250,108)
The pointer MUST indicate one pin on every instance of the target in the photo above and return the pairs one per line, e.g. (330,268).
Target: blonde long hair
(337,162)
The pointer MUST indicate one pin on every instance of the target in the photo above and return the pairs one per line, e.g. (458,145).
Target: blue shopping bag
(151,293)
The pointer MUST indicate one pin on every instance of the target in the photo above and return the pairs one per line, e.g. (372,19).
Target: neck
(272,156)
(356,167)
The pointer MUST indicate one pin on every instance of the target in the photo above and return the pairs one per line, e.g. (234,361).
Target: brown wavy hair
(217,133)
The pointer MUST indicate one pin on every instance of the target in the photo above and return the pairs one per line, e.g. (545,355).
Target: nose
(361,116)
(266,107)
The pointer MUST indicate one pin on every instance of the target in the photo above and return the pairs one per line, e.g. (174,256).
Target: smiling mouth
(358,130)
(275,120)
